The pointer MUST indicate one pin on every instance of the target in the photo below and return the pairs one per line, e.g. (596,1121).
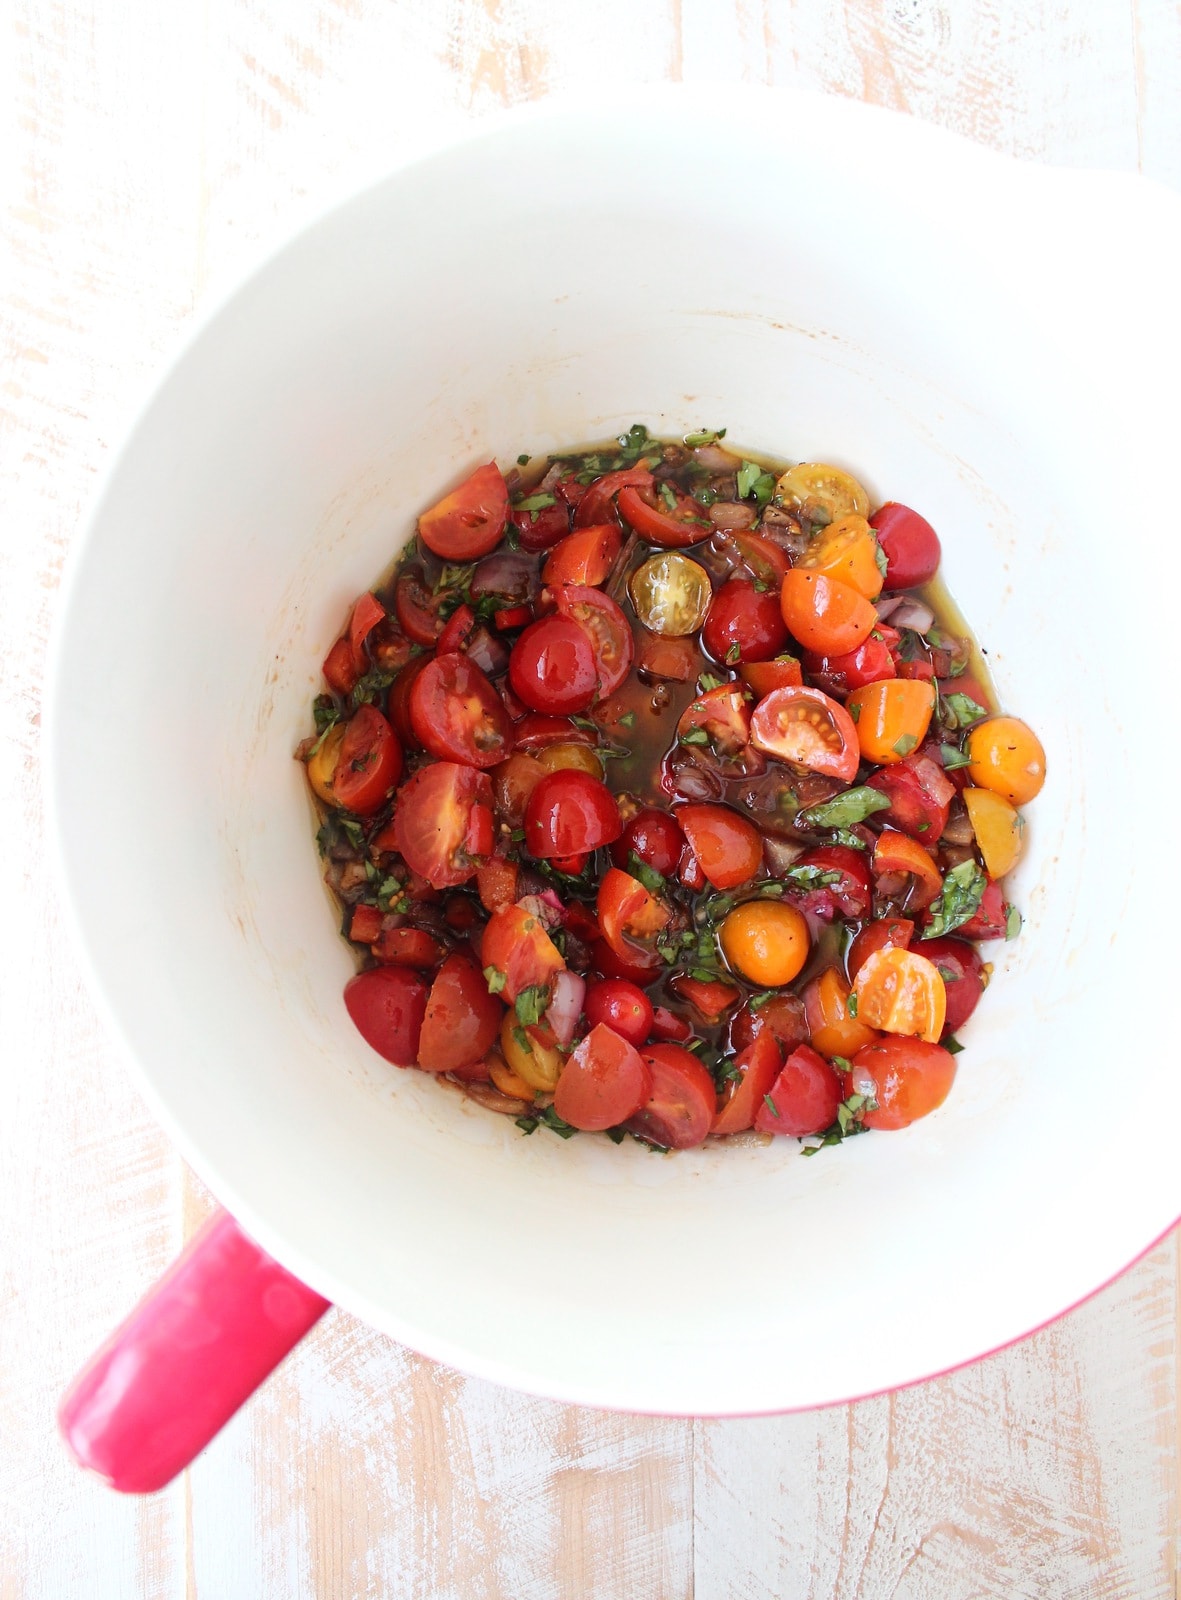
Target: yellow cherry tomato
(823,613)
(901,992)
(892,717)
(1006,756)
(826,1011)
(848,550)
(570,756)
(508,1081)
(322,766)
(536,1063)
(671,594)
(814,486)
(765,942)
(999,829)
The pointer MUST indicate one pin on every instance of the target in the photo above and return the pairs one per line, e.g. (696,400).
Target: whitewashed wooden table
(146,154)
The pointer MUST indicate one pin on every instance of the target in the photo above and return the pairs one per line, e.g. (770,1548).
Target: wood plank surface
(146,154)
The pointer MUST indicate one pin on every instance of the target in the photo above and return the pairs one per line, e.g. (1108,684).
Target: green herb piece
(652,880)
(853,841)
(326,715)
(958,900)
(854,711)
(807,876)
(495,979)
(694,736)
(340,830)
(517,835)
(531,1004)
(628,720)
(707,681)
(771,1106)
(842,1063)
(904,745)
(733,654)
(851,1004)
(694,441)
(526,1124)
(549,1118)
(616,1135)
(367,689)
(952,1045)
(522,1038)
(388,890)
(758,1001)
(523,461)
(536,502)
(752,480)
(843,810)
(455,578)
(1013,922)
(952,757)
(960,710)
(883,564)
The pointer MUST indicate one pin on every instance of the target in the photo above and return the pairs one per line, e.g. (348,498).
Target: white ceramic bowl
(994,344)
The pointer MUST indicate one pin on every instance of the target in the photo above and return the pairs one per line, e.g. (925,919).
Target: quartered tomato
(898,991)
(496,883)
(585,556)
(443,822)
(782,1015)
(681,1101)
(892,717)
(999,829)
(570,812)
(919,793)
(761,677)
(909,1079)
(598,503)
(607,629)
(804,1097)
(604,1082)
(710,1000)
(552,667)
(457,715)
(834,1031)
(387,1005)
(668,660)
(744,623)
(958,963)
(398,700)
(513,782)
(823,613)
(727,846)
(517,946)
(904,872)
(847,550)
(910,545)
(720,718)
(462,1019)
(808,729)
(621,1005)
(757,1065)
(831,880)
(468,522)
(369,762)
(664,516)
(346,661)
(419,608)
(631,919)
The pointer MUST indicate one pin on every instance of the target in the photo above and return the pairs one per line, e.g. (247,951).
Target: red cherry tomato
(346,661)
(552,667)
(340,672)
(782,1016)
(569,812)
(958,963)
(407,947)
(759,1064)
(724,716)
(884,933)
(711,1000)
(604,1082)
(417,608)
(369,764)
(621,1005)
(668,660)
(669,1028)
(853,670)
(664,516)
(517,945)
(804,1097)
(911,1078)
(839,883)
(744,623)
(462,1019)
(728,848)
(387,1005)
(761,677)
(919,793)
(398,700)
(457,715)
(443,822)
(655,837)
(910,544)
(680,1105)
(540,529)
(468,522)
(365,924)
(598,503)
(631,919)
(585,556)
(989,921)
(808,729)
(633,963)
(459,624)
(606,627)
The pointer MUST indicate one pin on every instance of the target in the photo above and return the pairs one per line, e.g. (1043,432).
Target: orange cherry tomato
(807,728)
(896,931)
(565,755)
(823,613)
(765,942)
(517,946)
(508,1081)
(847,550)
(469,521)
(892,717)
(728,848)
(903,871)
(585,556)
(783,672)
(898,991)
(826,1011)
(738,1104)
(711,1000)
(910,1077)
(322,765)
(1006,756)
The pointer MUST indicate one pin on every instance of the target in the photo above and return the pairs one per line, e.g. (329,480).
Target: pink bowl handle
(195,1348)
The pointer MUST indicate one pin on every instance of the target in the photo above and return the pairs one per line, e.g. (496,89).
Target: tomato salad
(662,799)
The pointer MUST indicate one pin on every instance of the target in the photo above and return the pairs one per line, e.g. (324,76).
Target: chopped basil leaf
(536,502)
(733,654)
(694,441)
(531,1004)
(854,711)
(771,1106)
(668,495)
(946,973)
(851,1004)
(695,736)
(706,496)
(652,880)
(952,1045)
(958,901)
(1013,921)
(326,715)
(843,810)
(707,681)
(454,577)
(852,841)
(752,480)
(368,688)
(522,1037)
(616,1135)
(550,1119)
(628,719)
(952,757)
(758,1001)
(523,461)
(812,877)
(387,891)
(960,710)
(495,979)
(842,1063)
(879,556)
(904,745)
(526,1124)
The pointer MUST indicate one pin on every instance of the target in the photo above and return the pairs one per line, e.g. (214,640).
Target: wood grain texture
(145,155)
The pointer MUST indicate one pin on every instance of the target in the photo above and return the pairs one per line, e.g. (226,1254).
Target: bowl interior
(547,286)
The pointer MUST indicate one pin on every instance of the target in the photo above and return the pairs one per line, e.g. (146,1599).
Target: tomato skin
(604,1082)
(468,522)
(897,857)
(552,666)
(457,715)
(437,821)
(408,947)
(460,623)
(513,783)
(919,794)
(369,764)
(870,661)
(621,1005)
(516,944)
(398,700)
(877,935)
(668,1028)
(760,1063)
(605,626)
(633,963)
(570,812)
(824,614)
(585,556)
(462,1019)
(387,1005)
(679,1109)
(959,965)
(540,529)
(849,896)
(535,731)
(345,663)
(761,677)
(655,837)
(728,848)
(804,1097)
(892,717)
(782,1016)
(807,729)
(743,624)
(758,556)
(910,544)
(597,504)
(643,509)
(417,609)
(913,1078)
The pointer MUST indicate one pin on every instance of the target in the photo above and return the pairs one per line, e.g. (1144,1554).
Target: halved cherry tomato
(681,1100)
(765,562)
(671,594)
(722,715)
(542,527)
(469,521)
(816,487)
(364,924)
(904,871)
(762,677)
(570,812)
(621,1005)
(636,965)
(744,623)
(690,872)
(781,1015)
(398,700)
(606,627)
(369,763)
(1007,757)
(910,543)
(496,882)
(911,1078)
(758,1064)
(552,667)
(459,624)
(418,608)
(512,617)
(534,1058)
(999,829)
(765,942)
(387,1005)
(808,729)
(919,793)
(630,919)
(728,848)
(513,782)
(898,991)
(457,715)
(517,945)
(345,662)
(847,550)
(408,947)
(710,1000)
(804,1097)
(340,672)
(826,1007)
(322,764)
(443,822)
(831,880)
(535,730)
(655,837)
(664,516)
(598,503)
(839,674)
(823,613)
(989,919)
(462,1019)
(892,717)
(877,935)
(604,1082)
(585,556)
(508,1081)
(958,963)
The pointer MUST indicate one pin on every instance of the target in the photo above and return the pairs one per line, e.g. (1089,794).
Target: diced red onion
(546,907)
(488,652)
(565,1007)
(714,458)
(903,611)
(864,1083)
(780,854)
(509,573)
(732,514)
